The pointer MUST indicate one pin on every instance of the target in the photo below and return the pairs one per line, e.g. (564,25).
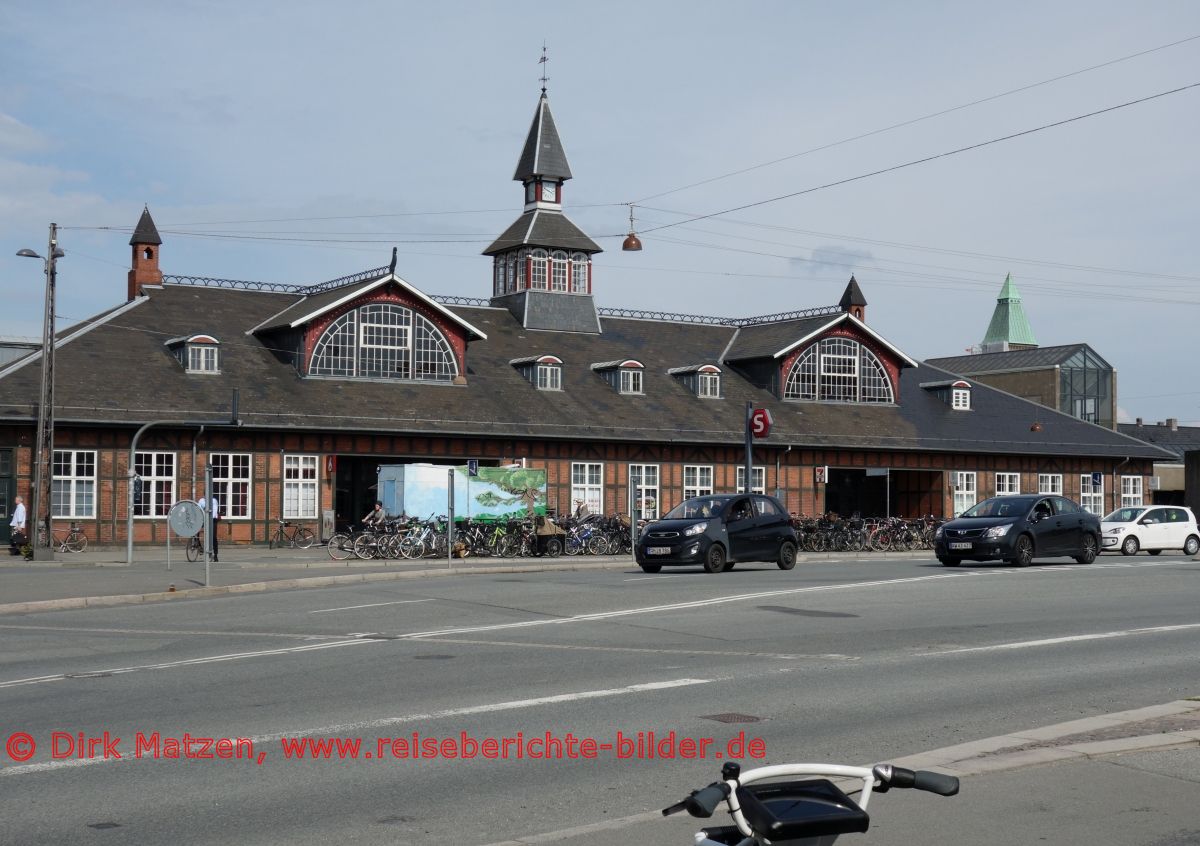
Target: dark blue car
(1017,529)
(718,531)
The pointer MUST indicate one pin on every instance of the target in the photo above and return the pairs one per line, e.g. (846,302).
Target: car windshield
(698,508)
(1124,515)
(1001,506)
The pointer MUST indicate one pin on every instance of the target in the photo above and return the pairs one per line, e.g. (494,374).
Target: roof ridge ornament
(543,61)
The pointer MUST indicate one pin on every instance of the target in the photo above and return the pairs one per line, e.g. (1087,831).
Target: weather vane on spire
(542,61)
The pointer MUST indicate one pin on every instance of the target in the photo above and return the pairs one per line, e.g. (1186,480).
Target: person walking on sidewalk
(216,517)
(16,525)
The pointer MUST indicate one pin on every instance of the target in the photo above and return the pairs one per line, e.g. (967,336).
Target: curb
(989,756)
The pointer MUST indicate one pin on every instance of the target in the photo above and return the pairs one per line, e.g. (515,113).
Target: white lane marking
(641,578)
(188,632)
(368,726)
(1054,641)
(371,605)
(830,656)
(166,665)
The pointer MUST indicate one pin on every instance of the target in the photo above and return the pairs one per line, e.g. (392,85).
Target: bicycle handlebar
(702,802)
(900,777)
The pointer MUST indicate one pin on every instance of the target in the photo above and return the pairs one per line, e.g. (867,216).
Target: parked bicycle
(195,548)
(292,536)
(73,541)
(769,804)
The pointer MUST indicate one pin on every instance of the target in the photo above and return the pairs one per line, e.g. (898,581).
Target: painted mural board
(496,493)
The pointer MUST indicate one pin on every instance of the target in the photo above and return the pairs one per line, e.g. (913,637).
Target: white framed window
(203,358)
(384,341)
(538,280)
(697,480)
(579,273)
(643,479)
(708,385)
(960,399)
(1008,484)
(1131,491)
(587,484)
(73,486)
(631,381)
(231,483)
(1050,483)
(549,377)
(965,491)
(1091,497)
(299,487)
(758,477)
(157,470)
(559,270)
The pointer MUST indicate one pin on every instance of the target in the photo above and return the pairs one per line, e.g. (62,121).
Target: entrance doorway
(882,492)
(8,488)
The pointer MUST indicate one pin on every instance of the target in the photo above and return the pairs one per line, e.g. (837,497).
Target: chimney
(144,266)
(1173,423)
(1139,422)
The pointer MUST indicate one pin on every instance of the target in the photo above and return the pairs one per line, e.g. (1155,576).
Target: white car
(1152,528)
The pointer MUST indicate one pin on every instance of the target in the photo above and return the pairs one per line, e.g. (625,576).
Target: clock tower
(542,264)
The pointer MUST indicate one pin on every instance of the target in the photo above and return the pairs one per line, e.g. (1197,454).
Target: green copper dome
(1009,323)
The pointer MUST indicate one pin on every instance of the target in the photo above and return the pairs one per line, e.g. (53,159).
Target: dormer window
(197,353)
(202,358)
(544,372)
(624,376)
(838,370)
(960,397)
(703,380)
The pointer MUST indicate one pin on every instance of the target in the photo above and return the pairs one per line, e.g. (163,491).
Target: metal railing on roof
(483,302)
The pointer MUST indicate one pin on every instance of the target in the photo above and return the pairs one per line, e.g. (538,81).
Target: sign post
(758,425)
(450,519)
(186,520)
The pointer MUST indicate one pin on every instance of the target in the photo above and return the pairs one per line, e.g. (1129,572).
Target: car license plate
(960,545)
(658,550)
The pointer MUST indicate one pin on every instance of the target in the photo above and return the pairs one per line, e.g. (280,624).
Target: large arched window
(383,341)
(838,370)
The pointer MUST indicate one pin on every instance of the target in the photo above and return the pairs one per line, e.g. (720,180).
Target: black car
(718,531)
(1018,528)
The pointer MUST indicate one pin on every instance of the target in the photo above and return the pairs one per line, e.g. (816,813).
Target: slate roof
(768,339)
(1180,440)
(543,154)
(145,232)
(1009,322)
(543,228)
(852,296)
(118,373)
(1035,359)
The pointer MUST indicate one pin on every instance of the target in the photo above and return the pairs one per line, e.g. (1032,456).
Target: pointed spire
(853,302)
(543,154)
(145,232)
(1009,324)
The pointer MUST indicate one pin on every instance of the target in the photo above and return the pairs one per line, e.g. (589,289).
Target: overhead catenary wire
(912,121)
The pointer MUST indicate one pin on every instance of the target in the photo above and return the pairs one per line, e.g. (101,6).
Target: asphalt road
(851,662)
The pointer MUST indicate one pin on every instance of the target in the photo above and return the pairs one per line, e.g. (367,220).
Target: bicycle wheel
(364,547)
(193,548)
(305,538)
(340,547)
(412,547)
(76,542)
(597,545)
(277,540)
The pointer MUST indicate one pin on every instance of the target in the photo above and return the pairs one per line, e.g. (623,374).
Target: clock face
(549,194)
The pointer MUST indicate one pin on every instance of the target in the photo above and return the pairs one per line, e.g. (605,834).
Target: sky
(300,141)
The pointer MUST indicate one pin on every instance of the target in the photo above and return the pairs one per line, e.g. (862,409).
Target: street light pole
(44,447)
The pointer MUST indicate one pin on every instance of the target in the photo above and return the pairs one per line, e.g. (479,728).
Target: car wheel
(651,568)
(1087,552)
(948,562)
(1191,546)
(714,561)
(1130,546)
(787,556)
(1024,554)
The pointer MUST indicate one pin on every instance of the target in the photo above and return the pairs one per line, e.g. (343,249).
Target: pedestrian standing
(216,517)
(16,526)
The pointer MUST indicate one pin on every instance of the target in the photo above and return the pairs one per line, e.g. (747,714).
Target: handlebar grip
(703,802)
(939,783)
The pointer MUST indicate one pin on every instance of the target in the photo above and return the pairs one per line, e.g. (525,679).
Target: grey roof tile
(543,153)
(543,228)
